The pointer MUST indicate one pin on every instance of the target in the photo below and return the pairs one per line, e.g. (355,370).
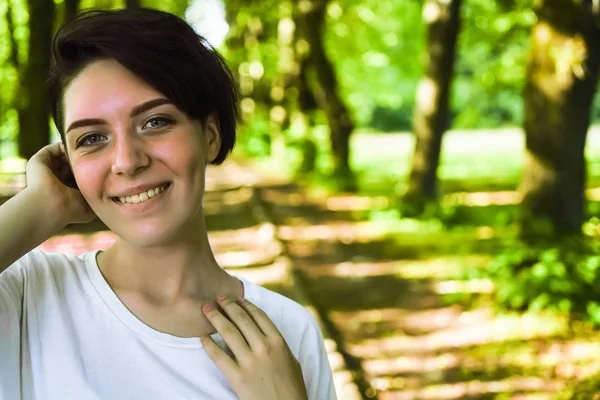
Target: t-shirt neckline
(119,309)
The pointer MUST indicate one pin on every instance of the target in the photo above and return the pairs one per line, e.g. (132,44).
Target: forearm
(26,221)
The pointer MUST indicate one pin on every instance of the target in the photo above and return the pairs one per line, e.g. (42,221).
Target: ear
(212,137)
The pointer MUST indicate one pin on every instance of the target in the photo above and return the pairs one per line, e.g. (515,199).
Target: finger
(43,156)
(41,161)
(244,322)
(221,359)
(50,151)
(49,156)
(228,331)
(260,317)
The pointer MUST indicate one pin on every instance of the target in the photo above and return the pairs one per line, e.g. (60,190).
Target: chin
(145,235)
(154,230)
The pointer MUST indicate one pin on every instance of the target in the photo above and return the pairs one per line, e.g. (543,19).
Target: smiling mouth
(142,197)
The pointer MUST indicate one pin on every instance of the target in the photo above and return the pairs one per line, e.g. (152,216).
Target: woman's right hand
(48,172)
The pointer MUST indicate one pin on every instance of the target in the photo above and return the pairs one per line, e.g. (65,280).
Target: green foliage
(304,152)
(389,119)
(584,390)
(253,140)
(562,277)
(490,70)
(375,47)
(10,68)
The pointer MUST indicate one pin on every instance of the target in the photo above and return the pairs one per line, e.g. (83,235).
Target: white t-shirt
(64,334)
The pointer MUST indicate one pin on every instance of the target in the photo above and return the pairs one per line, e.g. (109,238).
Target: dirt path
(380,295)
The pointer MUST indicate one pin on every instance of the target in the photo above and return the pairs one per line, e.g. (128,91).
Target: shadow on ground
(380,292)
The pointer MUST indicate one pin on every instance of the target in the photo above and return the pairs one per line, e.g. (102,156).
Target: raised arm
(43,208)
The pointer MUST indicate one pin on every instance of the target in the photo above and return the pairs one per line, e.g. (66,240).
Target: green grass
(471,160)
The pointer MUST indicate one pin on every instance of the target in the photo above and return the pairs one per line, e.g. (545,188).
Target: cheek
(88,176)
(181,155)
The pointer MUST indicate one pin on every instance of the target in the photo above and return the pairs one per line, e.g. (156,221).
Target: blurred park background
(424,175)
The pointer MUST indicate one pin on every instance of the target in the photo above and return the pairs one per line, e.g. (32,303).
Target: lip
(139,189)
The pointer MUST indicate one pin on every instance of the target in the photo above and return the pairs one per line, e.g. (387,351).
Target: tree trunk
(325,91)
(13,58)
(562,74)
(431,118)
(34,123)
(132,3)
(14,52)
(297,97)
(70,9)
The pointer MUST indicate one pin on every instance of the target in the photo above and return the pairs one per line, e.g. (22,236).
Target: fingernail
(221,297)
(207,307)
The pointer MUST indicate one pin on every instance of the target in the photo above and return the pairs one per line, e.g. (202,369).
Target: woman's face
(138,160)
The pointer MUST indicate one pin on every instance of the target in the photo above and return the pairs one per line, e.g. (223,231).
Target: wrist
(46,208)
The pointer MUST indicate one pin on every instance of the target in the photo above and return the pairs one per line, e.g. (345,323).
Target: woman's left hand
(264,367)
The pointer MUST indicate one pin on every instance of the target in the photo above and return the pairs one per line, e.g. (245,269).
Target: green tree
(34,126)
(11,70)
(489,74)
(70,9)
(291,89)
(562,74)
(325,89)
(432,110)
(132,3)
(269,54)
(250,48)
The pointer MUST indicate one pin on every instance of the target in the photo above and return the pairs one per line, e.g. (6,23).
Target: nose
(130,156)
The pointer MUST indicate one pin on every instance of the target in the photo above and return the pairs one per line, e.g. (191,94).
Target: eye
(157,122)
(90,140)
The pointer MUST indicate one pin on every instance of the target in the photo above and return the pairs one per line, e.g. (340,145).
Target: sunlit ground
(387,301)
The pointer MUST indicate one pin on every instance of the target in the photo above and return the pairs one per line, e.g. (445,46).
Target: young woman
(143,105)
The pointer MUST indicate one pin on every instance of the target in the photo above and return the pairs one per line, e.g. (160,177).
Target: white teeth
(141,197)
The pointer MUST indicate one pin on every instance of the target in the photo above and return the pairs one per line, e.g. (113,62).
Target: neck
(166,274)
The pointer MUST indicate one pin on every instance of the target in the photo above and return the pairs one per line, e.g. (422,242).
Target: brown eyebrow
(134,112)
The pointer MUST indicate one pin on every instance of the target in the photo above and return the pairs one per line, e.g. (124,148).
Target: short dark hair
(158,47)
